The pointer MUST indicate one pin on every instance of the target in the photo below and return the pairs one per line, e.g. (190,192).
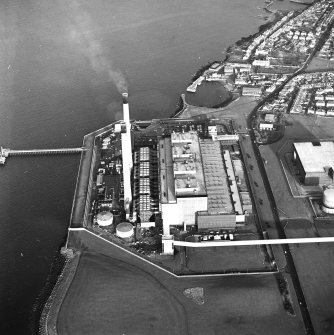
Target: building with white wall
(315,162)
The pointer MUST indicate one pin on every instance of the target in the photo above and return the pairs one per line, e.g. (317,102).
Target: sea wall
(48,319)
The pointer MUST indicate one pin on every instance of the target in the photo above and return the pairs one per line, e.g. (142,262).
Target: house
(270,118)
(255,91)
(266,126)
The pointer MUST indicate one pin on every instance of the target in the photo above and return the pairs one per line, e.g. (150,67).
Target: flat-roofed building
(270,118)
(255,91)
(226,138)
(182,185)
(315,161)
(264,63)
(216,66)
(206,221)
(198,184)
(219,197)
(266,126)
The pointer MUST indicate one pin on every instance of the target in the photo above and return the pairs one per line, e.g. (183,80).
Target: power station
(169,175)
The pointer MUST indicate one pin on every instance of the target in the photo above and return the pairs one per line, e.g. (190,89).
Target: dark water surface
(59,61)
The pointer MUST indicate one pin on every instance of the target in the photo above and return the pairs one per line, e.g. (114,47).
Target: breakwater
(49,314)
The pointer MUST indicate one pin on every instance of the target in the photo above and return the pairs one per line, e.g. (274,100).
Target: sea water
(62,65)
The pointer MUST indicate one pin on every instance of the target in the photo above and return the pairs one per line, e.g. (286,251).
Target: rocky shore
(48,319)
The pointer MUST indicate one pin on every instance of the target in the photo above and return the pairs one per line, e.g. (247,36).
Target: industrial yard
(313,262)
(164,198)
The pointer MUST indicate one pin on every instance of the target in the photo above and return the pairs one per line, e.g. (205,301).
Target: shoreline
(49,313)
(274,17)
(63,278)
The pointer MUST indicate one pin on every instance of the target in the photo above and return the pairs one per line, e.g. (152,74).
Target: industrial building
(315,162)
(198,184)
(182,186)
(169,173)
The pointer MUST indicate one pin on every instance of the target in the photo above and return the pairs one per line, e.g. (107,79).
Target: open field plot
(237,110)
(228,259)
(299,228)
(325,228)
(315,268)
(112,297)
(243,305)
(318,64)
(308,127)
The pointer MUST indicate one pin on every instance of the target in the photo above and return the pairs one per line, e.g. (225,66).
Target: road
(268,212)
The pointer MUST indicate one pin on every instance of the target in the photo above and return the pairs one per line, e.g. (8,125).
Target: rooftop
(315,156)
(219,200)
(188,170)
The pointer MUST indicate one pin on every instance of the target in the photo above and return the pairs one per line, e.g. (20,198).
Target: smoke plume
(82,32)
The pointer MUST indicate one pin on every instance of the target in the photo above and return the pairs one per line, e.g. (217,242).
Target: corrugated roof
(219,200)
(216,221)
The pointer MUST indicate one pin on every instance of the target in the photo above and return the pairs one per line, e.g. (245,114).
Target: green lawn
(108,296)
(115,293)
(315,268)
(226,259)
(320,64)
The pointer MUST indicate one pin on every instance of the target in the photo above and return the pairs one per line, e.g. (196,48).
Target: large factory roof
(315,156)
(181,171)
(188,170)
(219,200)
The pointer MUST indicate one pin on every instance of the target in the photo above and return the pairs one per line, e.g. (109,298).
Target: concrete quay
(192,88)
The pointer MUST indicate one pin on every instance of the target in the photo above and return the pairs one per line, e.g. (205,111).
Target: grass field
(315,268)
(116,293)
(225,259)
(109,296)
(318,64)
(236,110)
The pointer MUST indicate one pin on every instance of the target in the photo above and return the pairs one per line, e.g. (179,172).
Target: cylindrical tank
(124,230)
(328,199)
(105,218)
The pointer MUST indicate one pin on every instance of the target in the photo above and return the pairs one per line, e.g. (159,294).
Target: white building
(266,126)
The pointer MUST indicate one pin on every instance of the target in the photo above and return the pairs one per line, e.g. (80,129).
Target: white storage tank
(105,218)
(328,201)
(124,230)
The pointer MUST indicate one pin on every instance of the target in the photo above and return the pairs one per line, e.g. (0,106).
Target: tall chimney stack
(125,98)
(126,113)
(127,155)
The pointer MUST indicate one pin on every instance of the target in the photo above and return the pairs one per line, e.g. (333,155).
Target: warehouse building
(198,185)
(182,186)
(315,162)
